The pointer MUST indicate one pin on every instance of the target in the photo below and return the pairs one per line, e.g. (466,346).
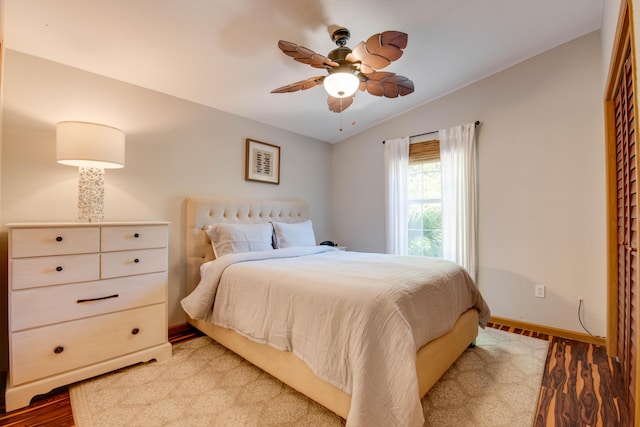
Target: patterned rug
(495,384)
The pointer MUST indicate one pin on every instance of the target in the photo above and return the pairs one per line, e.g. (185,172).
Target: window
(425,200)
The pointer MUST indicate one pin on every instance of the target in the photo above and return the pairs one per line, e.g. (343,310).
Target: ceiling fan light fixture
(352,69)
(341,84)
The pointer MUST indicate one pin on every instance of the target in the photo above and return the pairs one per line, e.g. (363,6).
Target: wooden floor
(581,387)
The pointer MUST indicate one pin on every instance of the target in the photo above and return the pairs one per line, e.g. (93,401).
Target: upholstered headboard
(202,212)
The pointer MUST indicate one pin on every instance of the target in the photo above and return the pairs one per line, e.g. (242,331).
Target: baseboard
(556,332)
(181,332)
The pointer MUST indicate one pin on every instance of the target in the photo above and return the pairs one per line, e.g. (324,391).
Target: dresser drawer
(126,263)
(41,352)
(133,237)
(32,308)
(53,270)
(33,242)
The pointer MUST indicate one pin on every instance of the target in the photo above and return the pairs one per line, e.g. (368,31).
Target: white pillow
(289,235)
(233,238)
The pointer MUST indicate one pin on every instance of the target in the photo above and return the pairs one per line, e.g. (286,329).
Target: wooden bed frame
(433,359)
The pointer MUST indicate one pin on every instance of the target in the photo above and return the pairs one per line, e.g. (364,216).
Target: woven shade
(427,151)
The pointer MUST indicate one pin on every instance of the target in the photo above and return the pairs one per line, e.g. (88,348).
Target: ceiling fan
(350,70)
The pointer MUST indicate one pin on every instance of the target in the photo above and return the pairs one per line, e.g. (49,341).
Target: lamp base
(91,194)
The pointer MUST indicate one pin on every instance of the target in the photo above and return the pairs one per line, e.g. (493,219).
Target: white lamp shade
(341,84)
(89,145)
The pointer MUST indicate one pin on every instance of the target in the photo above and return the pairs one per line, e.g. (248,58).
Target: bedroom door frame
(623,49)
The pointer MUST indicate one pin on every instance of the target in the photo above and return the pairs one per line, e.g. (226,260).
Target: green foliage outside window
(425,210)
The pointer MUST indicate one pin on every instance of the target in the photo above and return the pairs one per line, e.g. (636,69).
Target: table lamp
(93,148)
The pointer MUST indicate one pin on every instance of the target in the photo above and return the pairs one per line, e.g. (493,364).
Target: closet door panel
(627,226)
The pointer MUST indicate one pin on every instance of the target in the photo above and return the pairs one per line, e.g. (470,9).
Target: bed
(286,364)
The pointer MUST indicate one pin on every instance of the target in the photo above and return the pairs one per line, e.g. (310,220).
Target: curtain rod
(477,123)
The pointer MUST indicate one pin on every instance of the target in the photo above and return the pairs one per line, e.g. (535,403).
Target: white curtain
(459,196)
(396,165)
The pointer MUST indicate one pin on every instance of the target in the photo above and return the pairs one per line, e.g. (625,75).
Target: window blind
(427,151)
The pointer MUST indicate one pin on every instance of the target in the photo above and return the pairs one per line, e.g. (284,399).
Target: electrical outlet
(539,291)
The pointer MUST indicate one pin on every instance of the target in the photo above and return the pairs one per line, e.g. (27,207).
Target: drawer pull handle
(135,331)
(80,301)
(59,349)
(136,260)
(59,239)
(58,268)
(136,235)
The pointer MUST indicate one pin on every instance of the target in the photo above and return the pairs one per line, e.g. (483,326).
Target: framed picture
(262,162)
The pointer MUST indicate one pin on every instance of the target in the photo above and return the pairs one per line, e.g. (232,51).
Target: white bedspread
(356,319)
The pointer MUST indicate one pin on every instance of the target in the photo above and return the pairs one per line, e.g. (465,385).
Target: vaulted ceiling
(224,54)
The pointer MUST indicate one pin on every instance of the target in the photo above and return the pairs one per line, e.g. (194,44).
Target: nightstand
(84,299)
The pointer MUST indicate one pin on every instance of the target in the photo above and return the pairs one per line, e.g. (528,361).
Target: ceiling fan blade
(338,105)
(301,85)
(379,50)
(306,55)
(389,85)
(395,38)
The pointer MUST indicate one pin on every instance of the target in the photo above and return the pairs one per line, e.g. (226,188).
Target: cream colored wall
(173,148)
(610,13)
(541,184)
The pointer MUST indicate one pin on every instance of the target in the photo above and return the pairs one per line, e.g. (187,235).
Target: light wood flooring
(581,387)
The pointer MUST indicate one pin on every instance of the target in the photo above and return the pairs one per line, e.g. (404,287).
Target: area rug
(495,384)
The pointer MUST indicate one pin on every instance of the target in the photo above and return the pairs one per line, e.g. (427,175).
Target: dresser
(84,299)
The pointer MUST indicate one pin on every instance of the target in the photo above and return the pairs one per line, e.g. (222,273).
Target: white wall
(610,13)
(541,178)
(174,148)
